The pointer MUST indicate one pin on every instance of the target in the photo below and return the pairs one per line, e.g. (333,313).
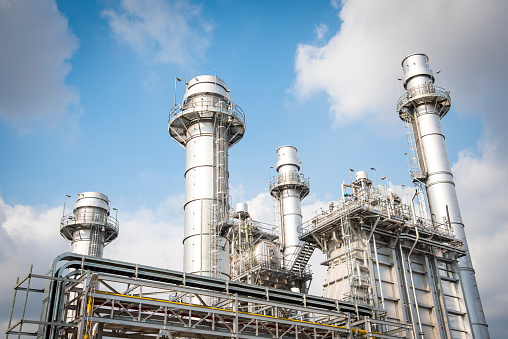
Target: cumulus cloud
(161,31)
(30,235)
(358,66)
(261,208)
(151,236)
(320,30)
(37,45)
(482,183)
(466,39)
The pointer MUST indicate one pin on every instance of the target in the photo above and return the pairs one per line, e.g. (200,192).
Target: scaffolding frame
(88,297)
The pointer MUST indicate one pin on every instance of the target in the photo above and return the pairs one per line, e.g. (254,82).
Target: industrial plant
(395,269)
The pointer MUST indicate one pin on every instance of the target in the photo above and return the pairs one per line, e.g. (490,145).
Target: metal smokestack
(89,228)
(289,189)
(422,107)
(207,124)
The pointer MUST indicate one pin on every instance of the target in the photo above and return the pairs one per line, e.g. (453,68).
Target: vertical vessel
(89,228)
(289,189)
(207,123)
(422,107)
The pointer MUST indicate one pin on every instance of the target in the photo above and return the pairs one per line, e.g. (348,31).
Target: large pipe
(423,106)
(89,227)
(207,124)
(289,189)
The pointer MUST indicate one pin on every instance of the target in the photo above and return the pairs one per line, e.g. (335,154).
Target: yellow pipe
(356,330)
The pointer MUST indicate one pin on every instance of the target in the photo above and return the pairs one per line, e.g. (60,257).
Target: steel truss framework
(90,297)
(412,263)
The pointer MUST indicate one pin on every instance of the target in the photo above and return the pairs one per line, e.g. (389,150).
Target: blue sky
(86,87)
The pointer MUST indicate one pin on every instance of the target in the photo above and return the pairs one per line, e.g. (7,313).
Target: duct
(207,124)
(69,263)
(426,105)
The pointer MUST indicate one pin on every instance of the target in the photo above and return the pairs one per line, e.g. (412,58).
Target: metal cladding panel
(416,70)
(207,123)
(86,241)
(361,175)
(207,84)
(439,185)
(197,217)
(433,142)
(92,199)
(200,145)
(199,197)
(199,184)
(287,156)
(291,212)
(198,246)
(289,190)
(242,208)
(196,254)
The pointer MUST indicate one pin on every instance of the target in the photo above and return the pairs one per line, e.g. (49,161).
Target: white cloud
(151,236)
(482,183)
(162,31)
(358,67)
(335,3)
(261,208)
(320,30)
(30,235)
(237,193)
(37,45)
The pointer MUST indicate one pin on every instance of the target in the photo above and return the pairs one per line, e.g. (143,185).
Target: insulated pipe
(289,189)
(424,105)
(207,124)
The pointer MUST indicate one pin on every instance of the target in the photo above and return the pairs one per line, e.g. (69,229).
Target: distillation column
(207,124)
(289,189)
(89,228)
(423,106)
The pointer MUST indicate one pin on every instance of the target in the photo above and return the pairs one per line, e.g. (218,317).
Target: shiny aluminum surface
(90,227)
(437,176)
(206,123)
(289,189)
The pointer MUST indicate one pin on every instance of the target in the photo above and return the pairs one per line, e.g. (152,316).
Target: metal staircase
(301,257)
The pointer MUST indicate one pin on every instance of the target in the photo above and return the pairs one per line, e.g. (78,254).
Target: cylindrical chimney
(423,106)
(89,228)
(207,124)
(289,189)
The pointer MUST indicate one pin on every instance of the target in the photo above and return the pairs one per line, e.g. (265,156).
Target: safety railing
(377,201)
(89,218)
(422,91)
(207,104)
(290,179)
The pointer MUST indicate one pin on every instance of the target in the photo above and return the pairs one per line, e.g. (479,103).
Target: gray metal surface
(379,253)
(206,123)
(89,227)
(289,189)
(423,106)
(135,301)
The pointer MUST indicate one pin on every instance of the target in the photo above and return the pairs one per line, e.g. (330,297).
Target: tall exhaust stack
(207,124)
(422,108)
(289,189)
(89,228)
